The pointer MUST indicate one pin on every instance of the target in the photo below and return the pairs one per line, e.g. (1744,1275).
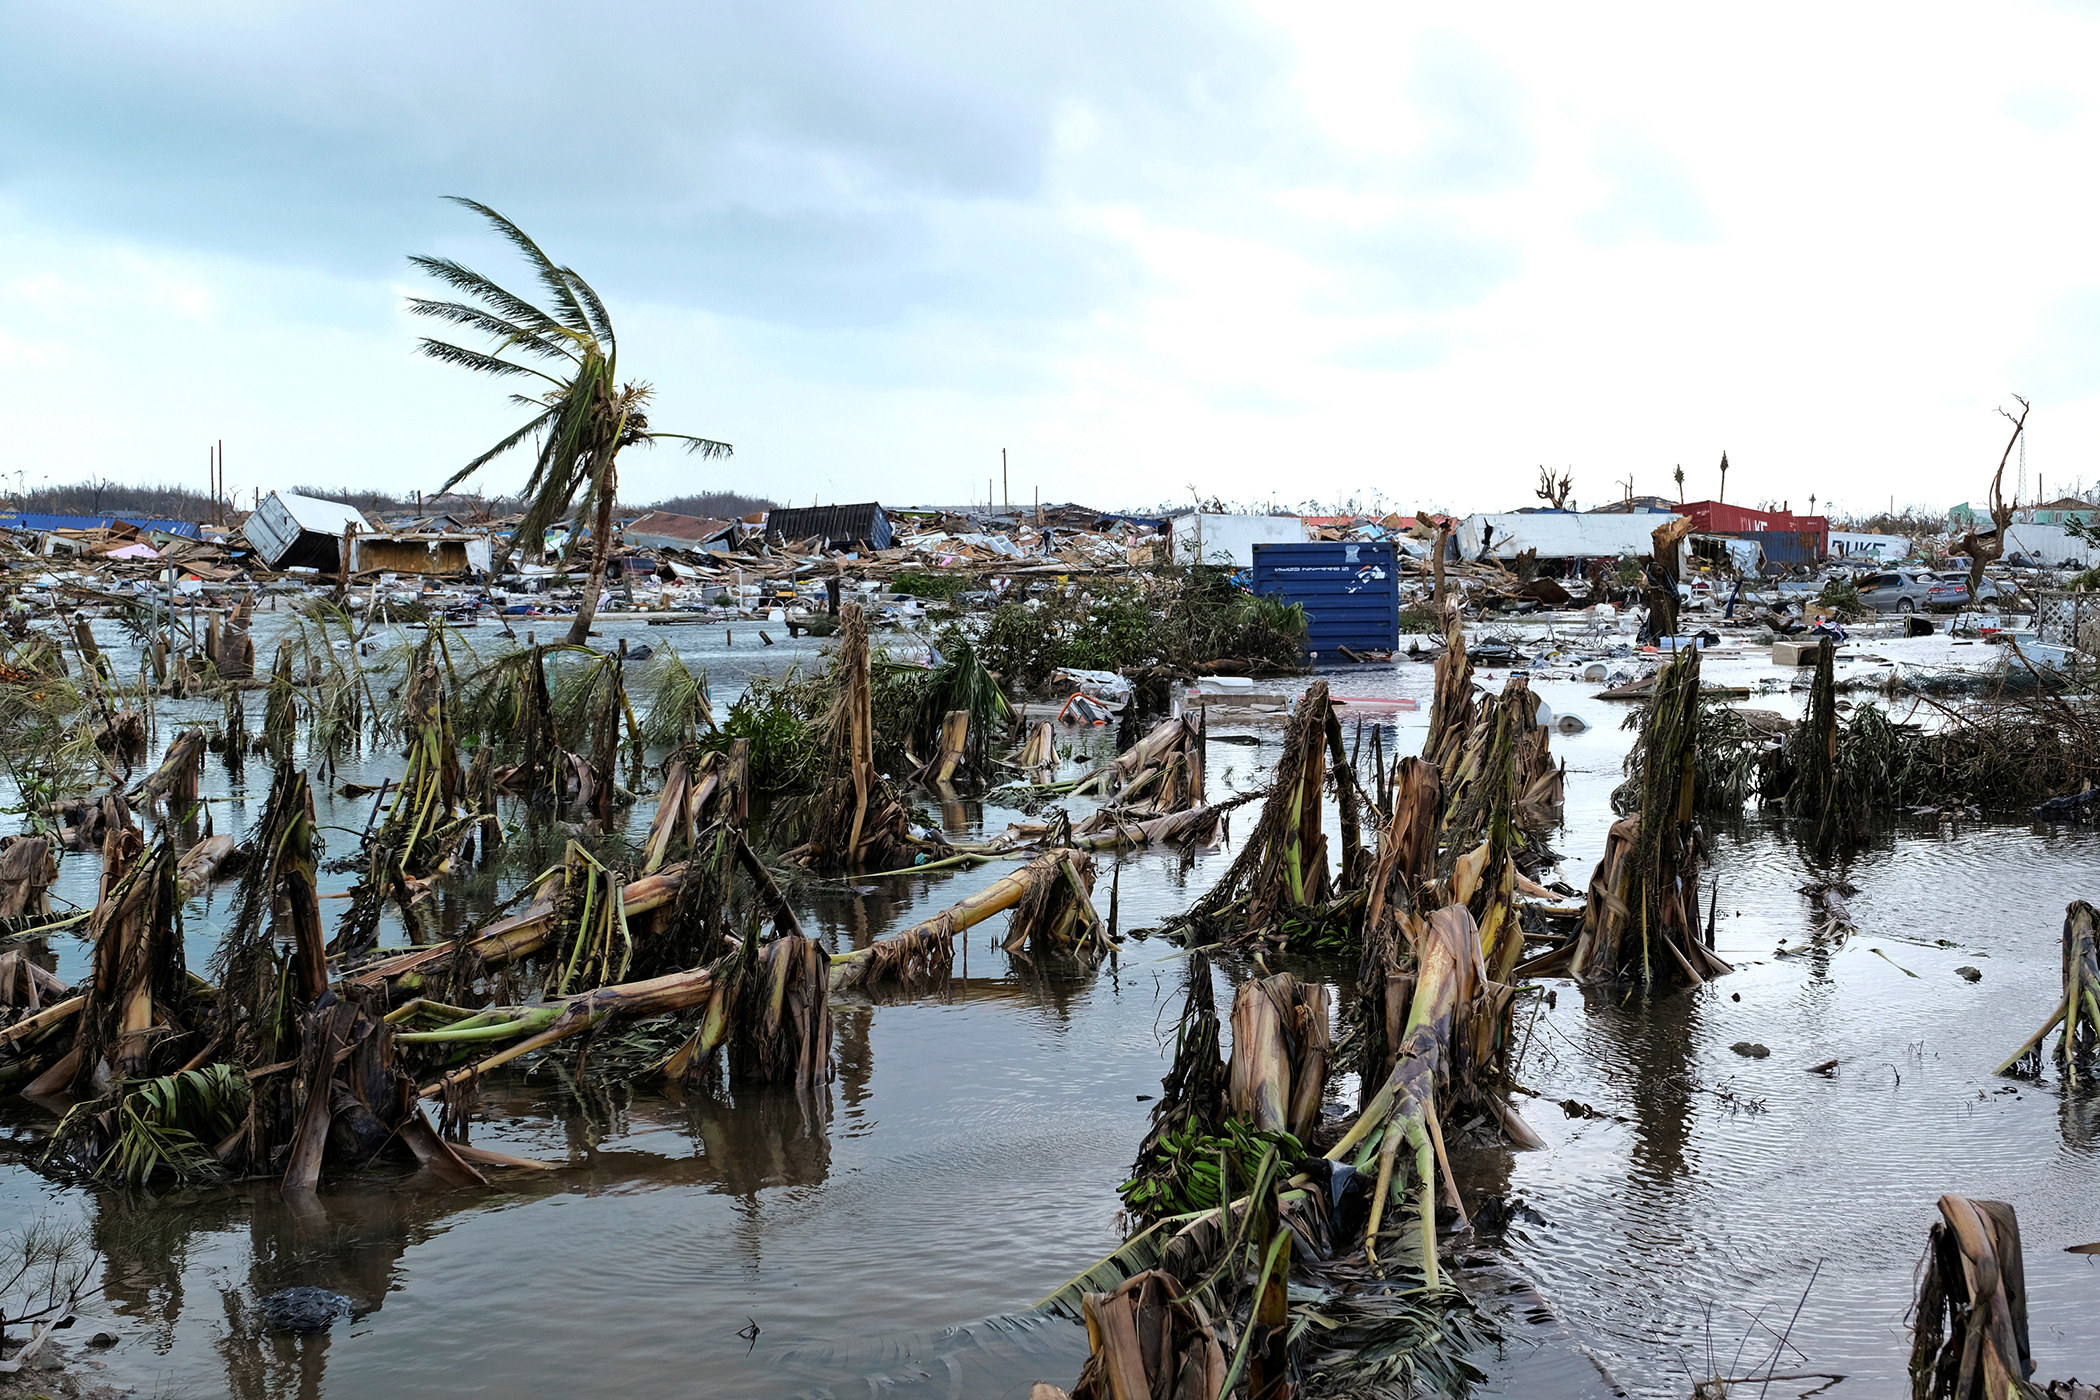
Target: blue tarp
(16,520)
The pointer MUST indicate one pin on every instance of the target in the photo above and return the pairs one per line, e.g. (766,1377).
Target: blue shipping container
(1350,591)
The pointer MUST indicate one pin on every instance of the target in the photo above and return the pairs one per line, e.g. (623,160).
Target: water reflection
(1651,1038)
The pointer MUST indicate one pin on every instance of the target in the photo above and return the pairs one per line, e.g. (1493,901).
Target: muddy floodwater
(1692,1203)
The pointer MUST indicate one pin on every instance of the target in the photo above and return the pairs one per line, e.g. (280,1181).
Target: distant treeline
(716,505)
(181,503)
(115,498)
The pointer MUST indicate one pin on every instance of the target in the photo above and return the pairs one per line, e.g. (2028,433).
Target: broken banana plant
(1281,872)
(857,823)
(2077,1011)
(1641,918)
(1969,1331)
(1053,912)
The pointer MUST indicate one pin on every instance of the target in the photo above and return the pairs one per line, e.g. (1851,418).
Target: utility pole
(1006,491)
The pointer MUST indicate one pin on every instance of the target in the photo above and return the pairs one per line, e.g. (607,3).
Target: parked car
(1897,590)
(1951,590)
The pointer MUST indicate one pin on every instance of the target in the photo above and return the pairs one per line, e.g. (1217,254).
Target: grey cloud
(790,161)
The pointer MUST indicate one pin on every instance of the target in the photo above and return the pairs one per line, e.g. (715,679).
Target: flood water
(964,1163)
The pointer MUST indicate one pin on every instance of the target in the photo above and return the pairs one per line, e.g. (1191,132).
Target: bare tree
(1555,493)
(1985,549)
(1724,478)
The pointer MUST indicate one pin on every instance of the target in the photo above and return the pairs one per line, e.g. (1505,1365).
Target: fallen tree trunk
(520,935)
(922,954)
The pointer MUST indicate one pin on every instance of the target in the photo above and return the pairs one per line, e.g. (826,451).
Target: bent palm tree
(581,421)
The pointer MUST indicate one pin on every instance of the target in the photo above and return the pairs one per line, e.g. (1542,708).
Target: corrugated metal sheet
(15,520)
(1350,591)
(844,526)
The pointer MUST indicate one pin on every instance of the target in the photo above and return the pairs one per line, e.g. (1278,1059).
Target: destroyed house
(291,531)
(1787,538)
(862,526)
(18,520)
(663,529)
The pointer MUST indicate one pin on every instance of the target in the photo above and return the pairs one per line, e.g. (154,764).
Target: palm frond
(478,360)
(677,701)
(466,279)
(698,446)
(599,320)
(509,332)
(567,309)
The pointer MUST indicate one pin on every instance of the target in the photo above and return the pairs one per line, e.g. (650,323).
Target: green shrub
(913,584)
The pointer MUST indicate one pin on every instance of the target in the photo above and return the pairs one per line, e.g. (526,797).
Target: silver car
(1897,590)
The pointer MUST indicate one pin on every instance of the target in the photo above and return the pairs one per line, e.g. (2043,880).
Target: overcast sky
(1267,252)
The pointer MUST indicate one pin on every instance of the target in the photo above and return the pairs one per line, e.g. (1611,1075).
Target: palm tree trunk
(601,550)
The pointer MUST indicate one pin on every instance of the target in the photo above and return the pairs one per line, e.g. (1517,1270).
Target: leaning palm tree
(585,416)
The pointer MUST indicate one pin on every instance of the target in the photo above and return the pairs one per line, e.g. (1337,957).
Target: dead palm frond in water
(138,994)
(2078,1009)
(354,1104)
(1055,916)
(233,732)
(1146,1336)
(1812,755)
(136,1014)
(1641,919)
(28,866)
(1282,869)
(770,1008)
(1969,1330)
(1038,756)
(1233,1262)
(340,704)
(1479,839)
(584,416)
(856,820)
(590,708)
(1160,773)
(767,1006)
